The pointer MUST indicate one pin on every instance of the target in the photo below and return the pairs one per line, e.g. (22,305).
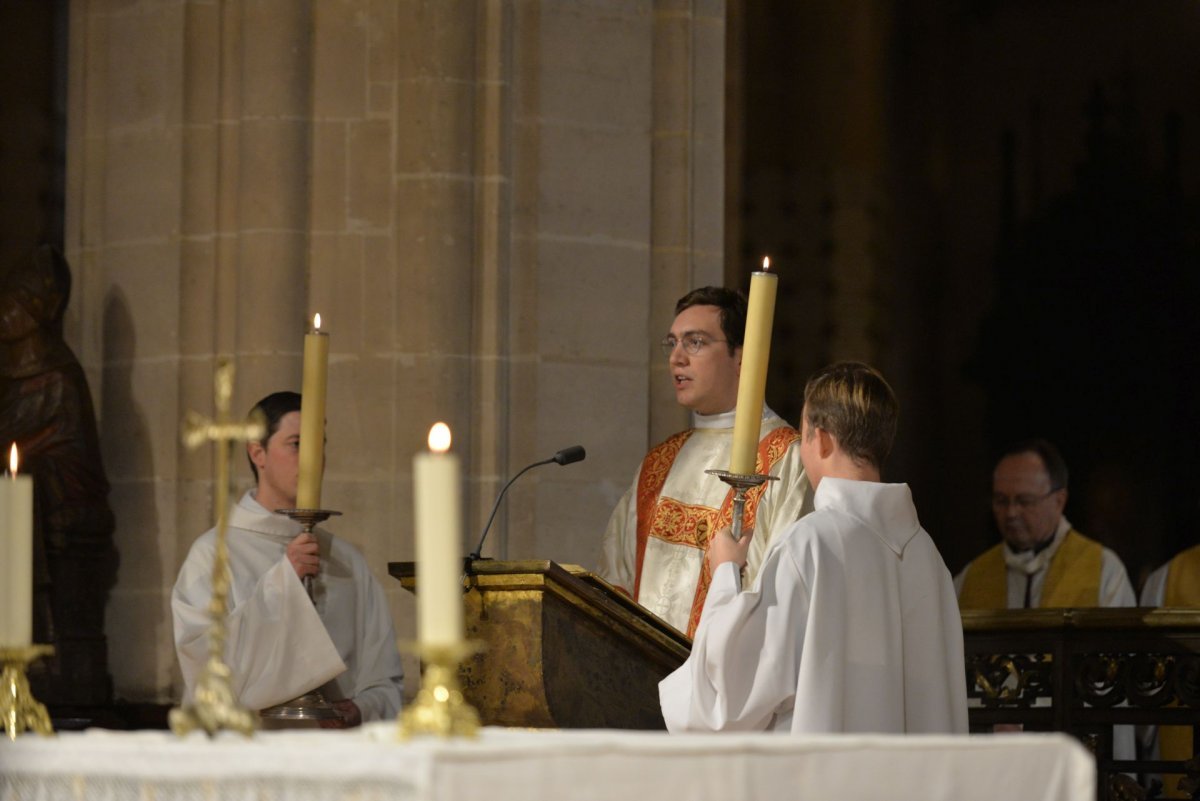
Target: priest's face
(705,381)
(278,464)
(1026,505)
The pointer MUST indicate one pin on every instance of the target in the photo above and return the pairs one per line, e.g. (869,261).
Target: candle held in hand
(16,556)
(438,520)
(752,386)
(312,417)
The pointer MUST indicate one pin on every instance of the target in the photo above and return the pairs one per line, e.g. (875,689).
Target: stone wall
(493,204)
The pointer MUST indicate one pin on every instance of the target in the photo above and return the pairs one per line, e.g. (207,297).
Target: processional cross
(215,707)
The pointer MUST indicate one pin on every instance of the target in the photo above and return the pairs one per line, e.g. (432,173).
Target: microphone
(566,456)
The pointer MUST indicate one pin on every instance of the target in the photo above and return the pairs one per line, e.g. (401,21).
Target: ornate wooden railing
(1084,671)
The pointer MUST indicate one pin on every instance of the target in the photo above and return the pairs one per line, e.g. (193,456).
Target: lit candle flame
(439,438)
(13,460)
(766,263)
(317,322)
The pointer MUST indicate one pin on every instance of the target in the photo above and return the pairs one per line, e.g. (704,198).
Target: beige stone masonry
(494,205)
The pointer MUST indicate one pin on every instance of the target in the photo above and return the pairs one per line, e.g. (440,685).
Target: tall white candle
(16,557)
(752,386)
(438,519)
(312,417)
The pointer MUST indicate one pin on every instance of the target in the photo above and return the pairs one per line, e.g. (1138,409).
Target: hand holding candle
(16,557)
(752,386)
(436,480)
(312,417)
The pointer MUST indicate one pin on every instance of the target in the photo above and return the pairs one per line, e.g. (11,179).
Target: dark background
(1030,221)
(1034,233)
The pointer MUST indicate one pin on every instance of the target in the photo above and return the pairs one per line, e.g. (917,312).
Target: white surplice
(851,626)
(279,645)
(671,571)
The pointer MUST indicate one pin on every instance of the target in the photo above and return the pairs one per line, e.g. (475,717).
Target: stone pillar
(480,198)
(187,223)
(687,179)
(618,170)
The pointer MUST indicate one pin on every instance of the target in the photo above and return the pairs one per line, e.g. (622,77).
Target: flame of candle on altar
(439,438)
(766,263)
(437,514)
(317,321)
(13,460)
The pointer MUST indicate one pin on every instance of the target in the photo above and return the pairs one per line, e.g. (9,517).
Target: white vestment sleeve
(746,656)
(276,645)
(380,680)
(618,549)
(1155,591)
(1115,589)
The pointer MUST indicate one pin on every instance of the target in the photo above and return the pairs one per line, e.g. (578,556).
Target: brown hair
(273,408)
(1052,460)
(854,403)
(731,304)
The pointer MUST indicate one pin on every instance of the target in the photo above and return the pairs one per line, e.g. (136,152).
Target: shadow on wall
(138,618)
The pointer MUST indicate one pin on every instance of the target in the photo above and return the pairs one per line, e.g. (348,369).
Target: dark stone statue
(45,407)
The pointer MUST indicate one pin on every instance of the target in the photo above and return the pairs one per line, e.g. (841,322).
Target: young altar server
(278,643)
(852,623)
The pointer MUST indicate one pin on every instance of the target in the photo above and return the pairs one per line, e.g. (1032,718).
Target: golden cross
(215,706)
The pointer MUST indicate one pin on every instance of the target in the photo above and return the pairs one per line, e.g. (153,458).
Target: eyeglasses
(1022,502)
(692,343)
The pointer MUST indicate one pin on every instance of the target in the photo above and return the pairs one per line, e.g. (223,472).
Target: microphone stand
(566,456)
(496,507)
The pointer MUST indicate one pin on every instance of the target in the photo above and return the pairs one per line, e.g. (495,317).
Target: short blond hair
(854,403)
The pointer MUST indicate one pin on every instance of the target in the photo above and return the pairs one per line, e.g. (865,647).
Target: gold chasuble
(670,520)
(1072,579)
(1182,590)
(1183,580)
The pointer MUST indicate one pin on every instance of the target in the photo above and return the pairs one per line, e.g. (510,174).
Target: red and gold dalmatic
(659,535)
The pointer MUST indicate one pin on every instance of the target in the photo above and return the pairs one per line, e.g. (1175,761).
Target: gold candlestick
(19,710)
(439,707)
(215,707)
(312,704)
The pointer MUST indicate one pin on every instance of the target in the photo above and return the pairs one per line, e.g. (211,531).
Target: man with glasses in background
(1043,561)
(655,545)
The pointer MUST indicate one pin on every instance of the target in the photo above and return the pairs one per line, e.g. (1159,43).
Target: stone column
(687,179)
(484,200)
(187,221)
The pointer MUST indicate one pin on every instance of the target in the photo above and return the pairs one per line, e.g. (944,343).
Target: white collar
(251,515)
(886,509)
(1028,562)
(724,419)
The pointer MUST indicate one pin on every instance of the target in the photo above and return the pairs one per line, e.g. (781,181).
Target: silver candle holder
(311,706)
(741,483)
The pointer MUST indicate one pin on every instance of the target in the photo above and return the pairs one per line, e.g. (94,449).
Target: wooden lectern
(563,648)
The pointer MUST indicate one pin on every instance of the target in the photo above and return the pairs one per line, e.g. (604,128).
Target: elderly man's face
(1026,505)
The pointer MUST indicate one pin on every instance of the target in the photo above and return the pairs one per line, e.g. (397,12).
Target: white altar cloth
(369,765)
